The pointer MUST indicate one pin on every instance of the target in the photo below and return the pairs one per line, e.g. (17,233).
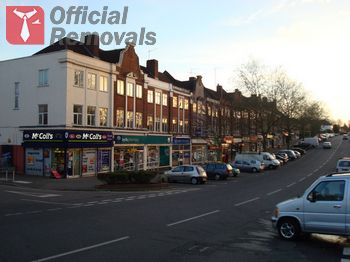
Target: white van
(265,157)
(311,141)
(323,208)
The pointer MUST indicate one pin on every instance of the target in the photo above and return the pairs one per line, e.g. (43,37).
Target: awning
(199,141)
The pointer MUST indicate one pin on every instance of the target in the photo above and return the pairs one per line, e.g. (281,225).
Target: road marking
(34,212)
(292,184)
(47,202)
(32,194)
(246,202)
(92,202)
(192,218)
(82,249)
(346,251)
(302,179)
(14,214)
(193,247)
(274,192)
(203,249)
(310,174)
(55,209)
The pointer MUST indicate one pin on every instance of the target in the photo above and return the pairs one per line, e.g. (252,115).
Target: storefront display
(181,151)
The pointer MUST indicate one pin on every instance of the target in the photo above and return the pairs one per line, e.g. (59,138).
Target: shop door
(164,156)
(76,163)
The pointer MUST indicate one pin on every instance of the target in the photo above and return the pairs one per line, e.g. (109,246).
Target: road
(219,221)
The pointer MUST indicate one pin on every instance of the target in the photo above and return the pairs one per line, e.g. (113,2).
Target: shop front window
(153,157)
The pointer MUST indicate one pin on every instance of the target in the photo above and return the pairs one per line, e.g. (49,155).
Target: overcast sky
(310,39)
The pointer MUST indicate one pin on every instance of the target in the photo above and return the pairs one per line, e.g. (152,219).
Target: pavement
(70,184)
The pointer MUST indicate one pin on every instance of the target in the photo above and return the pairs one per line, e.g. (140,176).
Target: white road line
(193,247)
(192,218)
(54,209)
(246,202)
(87,205)
(274,192)
(103,203)
(81,249)
(47,202)
(292,184)
(310,174)
(34,212)
(346,251)
(32,194)
(302,179)
(73,207)
(203,249)
(14,214)
(92,202)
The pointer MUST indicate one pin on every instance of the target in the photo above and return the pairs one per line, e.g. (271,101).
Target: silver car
(193,174)
(323,208)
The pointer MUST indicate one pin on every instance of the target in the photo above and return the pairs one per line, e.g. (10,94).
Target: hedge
(127,177)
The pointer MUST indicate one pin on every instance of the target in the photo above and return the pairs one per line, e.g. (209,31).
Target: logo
(25,25)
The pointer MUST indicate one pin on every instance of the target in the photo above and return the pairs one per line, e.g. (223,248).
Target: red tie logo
(25,25)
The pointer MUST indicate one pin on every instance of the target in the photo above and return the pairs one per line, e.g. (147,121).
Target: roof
(111,56)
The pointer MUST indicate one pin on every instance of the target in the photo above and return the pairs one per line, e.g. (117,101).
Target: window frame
(90,118)
(43,77)
(80,78)
(104,120)
(150,96)
(89,81)
(128,89)
(44,115)
(103,83)
(139,91)
(78,116)
(120,87)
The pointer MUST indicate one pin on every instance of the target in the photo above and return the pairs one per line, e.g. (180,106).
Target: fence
(8,173)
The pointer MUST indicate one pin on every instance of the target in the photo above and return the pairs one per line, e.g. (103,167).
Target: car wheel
(194,181)
(288,229)
(271,167)
(254,170)
(217,177)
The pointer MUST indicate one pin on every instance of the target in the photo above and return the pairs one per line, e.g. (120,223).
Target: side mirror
(312,197)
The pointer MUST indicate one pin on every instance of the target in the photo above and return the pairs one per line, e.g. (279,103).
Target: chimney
(219,89)
(152,68)
(192,78)
(93,44)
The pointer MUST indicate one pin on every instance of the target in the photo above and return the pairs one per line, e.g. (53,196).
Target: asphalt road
(219,221)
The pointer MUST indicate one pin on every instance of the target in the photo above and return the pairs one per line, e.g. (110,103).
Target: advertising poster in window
(104,157)
(34,162)
(89,162)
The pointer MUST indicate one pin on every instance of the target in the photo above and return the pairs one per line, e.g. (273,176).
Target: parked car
(327,145)
(345,137)
(219,171)
(300,150)
(290,153)
(304,146)
(187,174)
(265,157)
(251,165)
(343,165)
(298,155)
(321,209)
(282,156)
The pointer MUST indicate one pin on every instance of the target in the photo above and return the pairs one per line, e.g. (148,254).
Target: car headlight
(276,212)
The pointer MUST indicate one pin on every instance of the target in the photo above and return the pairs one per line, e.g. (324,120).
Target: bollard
(13,176)
(6,173)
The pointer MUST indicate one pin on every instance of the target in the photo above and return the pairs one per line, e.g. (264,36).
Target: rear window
(344,163)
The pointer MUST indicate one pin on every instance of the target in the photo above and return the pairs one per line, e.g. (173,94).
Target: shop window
(91,81)
(120,87)
(103,116)
(91,115)
(130,119)
(165,100)
(165,125)
(120,118)
(138,120)
(150,96)
(139,91)
(77,114)
(150,123)
(103,84)
(43,114)
(157,97)
(79,78)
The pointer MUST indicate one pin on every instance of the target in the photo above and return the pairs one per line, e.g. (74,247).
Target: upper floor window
(165,125)
(120,87)
(91,115)
(139,91)
(43,114)
(91,81)
(103,84)
(43,77)
(165,100)
(130,119)
(150,96)
(16,104)
(79,78)
(157,124)
(186,103)
(181,102)
(157,97)
(77,114)
(150,122)
(130,89)
(175,101)
(138,120)
(194,108)
(120,118)
(103,116)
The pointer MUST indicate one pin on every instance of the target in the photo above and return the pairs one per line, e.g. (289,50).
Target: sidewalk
(71,184)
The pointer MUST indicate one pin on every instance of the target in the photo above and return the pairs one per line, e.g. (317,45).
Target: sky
(310,39)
